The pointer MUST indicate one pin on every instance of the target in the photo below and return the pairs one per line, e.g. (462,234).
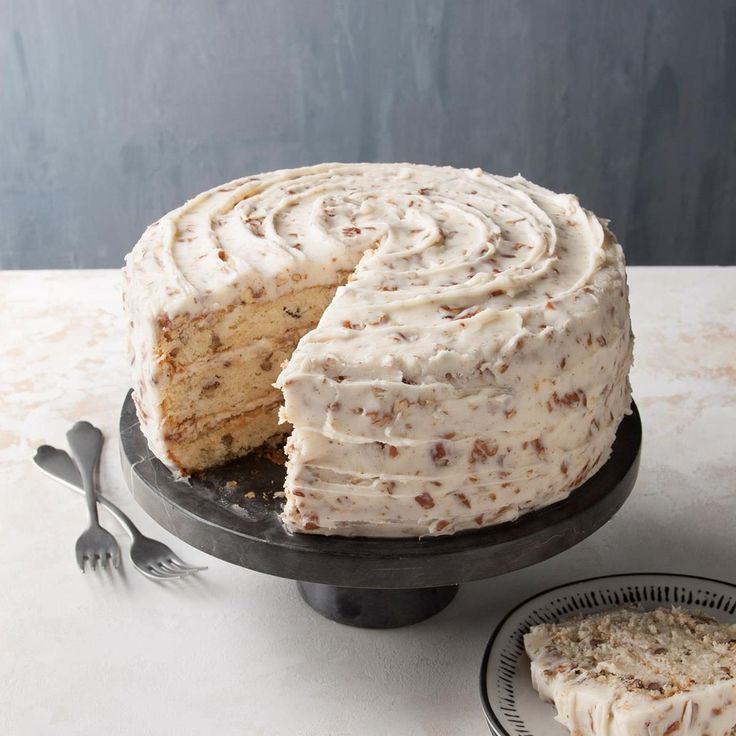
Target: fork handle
(85,443)
(58,465)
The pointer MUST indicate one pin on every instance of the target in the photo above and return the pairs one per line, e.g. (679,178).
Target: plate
(512,706)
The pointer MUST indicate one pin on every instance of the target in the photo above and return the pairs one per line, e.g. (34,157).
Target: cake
(635,673)
(445,349)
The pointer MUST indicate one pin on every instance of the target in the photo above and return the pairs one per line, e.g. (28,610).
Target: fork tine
(103,560)
(163,565)
(173,557)
(174,560)
(174,570)
(92,557)
(80,560)
(158,572)
(116,558)
(147,573)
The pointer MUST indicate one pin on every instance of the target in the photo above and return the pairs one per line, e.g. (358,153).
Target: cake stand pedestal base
(372,608)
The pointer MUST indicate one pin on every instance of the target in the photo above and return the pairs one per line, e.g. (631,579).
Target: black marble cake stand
(231,513)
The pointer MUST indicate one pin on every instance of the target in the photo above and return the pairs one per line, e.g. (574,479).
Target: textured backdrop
(111,113)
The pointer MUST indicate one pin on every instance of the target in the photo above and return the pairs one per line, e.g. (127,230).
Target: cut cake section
(634,673)
(210,395)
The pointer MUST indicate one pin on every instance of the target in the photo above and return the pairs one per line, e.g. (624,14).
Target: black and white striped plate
(512,706)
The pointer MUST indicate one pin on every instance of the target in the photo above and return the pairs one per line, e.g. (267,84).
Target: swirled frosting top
(432,245)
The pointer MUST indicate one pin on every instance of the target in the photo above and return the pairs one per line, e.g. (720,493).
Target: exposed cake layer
(188,338)
(194,371)
(634,673)
(214,440)
(229,380)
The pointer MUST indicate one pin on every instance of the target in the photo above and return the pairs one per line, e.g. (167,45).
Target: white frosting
(474,367)
(652,677)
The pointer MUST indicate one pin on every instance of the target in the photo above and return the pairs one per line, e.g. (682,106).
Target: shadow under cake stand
(231,512)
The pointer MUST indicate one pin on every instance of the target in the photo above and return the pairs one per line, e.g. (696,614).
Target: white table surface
(237,652)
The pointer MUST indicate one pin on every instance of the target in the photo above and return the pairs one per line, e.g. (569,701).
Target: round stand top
(231,512)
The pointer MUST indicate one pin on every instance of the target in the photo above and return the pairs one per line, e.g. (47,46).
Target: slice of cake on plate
(634,673)
(456,345)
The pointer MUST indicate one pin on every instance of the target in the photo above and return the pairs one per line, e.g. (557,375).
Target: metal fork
(150,557)
(95,543)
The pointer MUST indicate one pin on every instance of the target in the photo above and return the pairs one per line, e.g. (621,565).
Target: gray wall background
(112,113)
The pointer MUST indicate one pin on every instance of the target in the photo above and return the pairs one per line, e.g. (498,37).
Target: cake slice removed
(637,673)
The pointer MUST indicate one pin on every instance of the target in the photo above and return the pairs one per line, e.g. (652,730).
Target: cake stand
(231,512)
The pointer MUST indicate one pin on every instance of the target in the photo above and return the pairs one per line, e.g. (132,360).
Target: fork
(95,543)
(151,558)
